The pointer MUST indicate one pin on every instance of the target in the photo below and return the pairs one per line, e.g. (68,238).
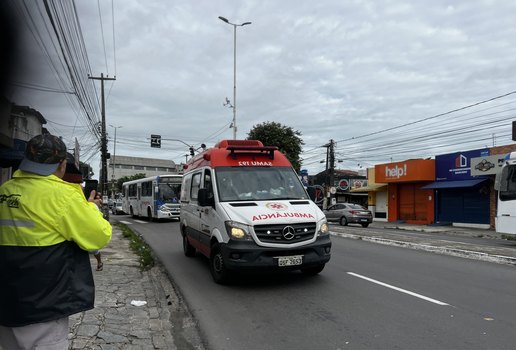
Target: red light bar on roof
(236,143)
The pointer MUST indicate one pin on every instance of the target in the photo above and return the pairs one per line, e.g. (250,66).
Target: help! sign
(409,170)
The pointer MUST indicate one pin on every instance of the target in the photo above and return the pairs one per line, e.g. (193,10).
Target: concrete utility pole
(103,146)
(330,172)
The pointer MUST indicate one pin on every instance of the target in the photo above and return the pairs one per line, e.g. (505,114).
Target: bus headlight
(237,230)
(163,208)
(324,228)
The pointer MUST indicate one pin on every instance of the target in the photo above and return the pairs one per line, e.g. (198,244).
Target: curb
(463,253)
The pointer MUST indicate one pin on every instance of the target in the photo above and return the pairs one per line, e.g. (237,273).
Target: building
(460,198)
(376,196)
(120,166)
(490,166)
(407,200)
(18,124)
(343,182)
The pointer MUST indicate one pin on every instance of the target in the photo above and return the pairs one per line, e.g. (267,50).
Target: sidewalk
(117,322)
(471,243)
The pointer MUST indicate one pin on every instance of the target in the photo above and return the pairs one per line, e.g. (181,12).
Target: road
(369,296)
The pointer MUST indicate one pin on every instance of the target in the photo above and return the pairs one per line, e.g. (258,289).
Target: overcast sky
(331,69)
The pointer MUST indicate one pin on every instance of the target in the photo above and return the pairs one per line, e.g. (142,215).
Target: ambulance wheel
(218,269)
(343,221)
(312,271)
(188,249)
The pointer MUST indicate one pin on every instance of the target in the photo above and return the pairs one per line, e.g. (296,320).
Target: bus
(506,206)
(155,197)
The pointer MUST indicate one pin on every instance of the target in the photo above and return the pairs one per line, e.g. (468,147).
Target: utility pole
(332,163)
(330,172)
(103,145)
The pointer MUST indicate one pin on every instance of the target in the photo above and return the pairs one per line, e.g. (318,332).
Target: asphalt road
(369,296)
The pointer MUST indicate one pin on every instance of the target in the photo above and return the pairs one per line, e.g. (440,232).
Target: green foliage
(123,179)
(139,247)
(284,137)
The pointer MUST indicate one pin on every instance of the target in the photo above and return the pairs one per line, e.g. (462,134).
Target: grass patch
(138,246)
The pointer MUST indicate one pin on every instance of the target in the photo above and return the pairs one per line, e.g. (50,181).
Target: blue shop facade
(461,199)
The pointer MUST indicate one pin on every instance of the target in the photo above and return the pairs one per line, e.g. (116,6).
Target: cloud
(330,69)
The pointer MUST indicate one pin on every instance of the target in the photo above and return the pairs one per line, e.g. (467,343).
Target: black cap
(43,154)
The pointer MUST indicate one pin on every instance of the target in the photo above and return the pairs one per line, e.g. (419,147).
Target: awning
(370,188)
(453,184)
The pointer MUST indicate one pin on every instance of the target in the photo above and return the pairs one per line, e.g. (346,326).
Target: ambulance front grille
(281,233)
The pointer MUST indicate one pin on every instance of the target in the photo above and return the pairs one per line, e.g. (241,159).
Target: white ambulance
(244,207)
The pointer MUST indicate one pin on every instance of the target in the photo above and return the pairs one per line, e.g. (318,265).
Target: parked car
(348,213)
(117,208)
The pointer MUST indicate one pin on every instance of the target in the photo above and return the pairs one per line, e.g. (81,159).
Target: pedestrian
(73,175)
(47,228)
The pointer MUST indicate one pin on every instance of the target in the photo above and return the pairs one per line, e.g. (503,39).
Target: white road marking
(126,222)
(140,222)
(399,289)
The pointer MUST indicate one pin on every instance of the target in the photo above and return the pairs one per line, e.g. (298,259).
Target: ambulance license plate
(290,260)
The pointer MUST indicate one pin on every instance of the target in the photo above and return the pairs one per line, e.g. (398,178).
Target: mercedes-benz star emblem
(289,232)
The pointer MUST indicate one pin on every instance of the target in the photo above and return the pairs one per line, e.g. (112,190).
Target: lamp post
(113,159)
(234,69)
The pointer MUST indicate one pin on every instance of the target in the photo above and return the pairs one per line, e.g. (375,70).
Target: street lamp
(113,159)
(234,69)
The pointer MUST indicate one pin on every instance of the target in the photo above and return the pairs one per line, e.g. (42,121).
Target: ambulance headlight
(324,229)
(237,230)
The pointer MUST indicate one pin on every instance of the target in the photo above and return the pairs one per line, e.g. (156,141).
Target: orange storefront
(406,200)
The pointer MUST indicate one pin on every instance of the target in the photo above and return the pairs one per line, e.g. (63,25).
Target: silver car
(117,208)
(348,213)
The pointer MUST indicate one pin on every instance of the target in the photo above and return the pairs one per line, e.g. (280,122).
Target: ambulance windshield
(258,183)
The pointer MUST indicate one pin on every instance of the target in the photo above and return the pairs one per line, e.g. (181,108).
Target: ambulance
(244,207)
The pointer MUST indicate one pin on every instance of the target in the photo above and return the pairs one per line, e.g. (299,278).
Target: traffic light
(192,151)
(155,141)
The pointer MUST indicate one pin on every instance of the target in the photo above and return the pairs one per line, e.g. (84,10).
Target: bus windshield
(258,183)
(169,192)
(508,183)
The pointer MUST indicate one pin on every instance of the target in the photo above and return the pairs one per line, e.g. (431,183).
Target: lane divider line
(399,289)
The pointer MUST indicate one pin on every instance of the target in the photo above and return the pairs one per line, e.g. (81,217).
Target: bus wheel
(188,249)
(218,269)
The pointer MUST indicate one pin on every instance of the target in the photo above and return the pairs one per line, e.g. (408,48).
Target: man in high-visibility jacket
(47,227)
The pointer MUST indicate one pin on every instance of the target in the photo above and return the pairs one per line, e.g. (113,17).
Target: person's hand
(95,198)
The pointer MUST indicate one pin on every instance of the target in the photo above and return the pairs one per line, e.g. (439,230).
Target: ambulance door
(190,209)
(207,213)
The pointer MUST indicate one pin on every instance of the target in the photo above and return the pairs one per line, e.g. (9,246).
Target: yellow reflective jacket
(47,228)
(45,210)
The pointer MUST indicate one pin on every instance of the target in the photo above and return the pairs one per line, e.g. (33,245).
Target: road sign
(155,141)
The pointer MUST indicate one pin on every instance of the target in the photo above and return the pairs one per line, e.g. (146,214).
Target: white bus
(506,186)
(155,197)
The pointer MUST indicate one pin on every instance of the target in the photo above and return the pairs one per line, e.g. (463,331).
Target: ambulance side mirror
(205,198)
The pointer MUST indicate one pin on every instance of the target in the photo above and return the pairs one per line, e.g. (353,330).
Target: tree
(284,137)
(123,179)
